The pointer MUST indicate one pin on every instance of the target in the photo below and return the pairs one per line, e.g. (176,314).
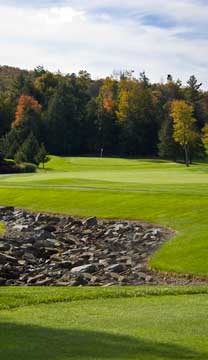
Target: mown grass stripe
(11,297)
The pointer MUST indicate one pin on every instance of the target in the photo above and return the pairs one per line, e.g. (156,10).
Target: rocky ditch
(43,249)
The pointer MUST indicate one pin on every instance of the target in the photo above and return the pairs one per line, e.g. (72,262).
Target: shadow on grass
(18,342)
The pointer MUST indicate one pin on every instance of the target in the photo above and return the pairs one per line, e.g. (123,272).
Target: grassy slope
(112,326)
(170,194)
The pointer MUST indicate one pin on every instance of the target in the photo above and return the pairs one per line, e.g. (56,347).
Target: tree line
(67,114)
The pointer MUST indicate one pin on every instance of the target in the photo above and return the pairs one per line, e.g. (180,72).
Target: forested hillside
(75,115)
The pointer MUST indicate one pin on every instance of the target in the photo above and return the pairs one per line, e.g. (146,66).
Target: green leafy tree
(136,115)
(205,134)
(168,149)
(46,85)
(106,120)
(42,156)
(22,84)
(7,110)
(63,122)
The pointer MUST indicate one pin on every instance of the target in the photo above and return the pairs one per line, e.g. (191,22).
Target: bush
(9,162)
(1,156)
(9,167)
(27,168)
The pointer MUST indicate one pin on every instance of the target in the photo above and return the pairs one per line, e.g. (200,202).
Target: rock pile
(43,249)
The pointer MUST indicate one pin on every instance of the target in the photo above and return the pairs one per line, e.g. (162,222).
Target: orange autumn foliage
(107,95)
(26,104)
(108,103)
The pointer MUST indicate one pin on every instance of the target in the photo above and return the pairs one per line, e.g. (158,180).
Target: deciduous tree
(27,110)
(183,126)
(42,156)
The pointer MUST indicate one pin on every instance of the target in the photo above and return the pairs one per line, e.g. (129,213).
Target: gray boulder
(92,221)
(89,268)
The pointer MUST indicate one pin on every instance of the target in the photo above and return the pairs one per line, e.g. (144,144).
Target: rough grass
(101,324)
(157,191)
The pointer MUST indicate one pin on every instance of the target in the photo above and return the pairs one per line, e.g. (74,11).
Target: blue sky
(157,36)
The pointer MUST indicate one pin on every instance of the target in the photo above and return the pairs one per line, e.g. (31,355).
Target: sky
(101,36)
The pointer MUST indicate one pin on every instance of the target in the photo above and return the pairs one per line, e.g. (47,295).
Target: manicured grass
(15,297)
(109,326)
(157,191)
(141,323)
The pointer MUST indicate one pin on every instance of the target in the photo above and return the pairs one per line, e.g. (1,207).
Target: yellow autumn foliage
(183,123)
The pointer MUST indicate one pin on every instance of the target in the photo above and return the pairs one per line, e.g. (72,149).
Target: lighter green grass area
(113,173)
(100,324)
(158,191)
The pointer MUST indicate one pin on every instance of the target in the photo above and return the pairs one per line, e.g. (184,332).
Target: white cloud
(62,15)
(86,36)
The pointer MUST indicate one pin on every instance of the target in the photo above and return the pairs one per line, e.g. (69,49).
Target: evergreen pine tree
(29,149)
(9,144)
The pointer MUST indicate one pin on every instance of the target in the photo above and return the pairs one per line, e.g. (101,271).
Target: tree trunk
(186,155)
(190,157)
